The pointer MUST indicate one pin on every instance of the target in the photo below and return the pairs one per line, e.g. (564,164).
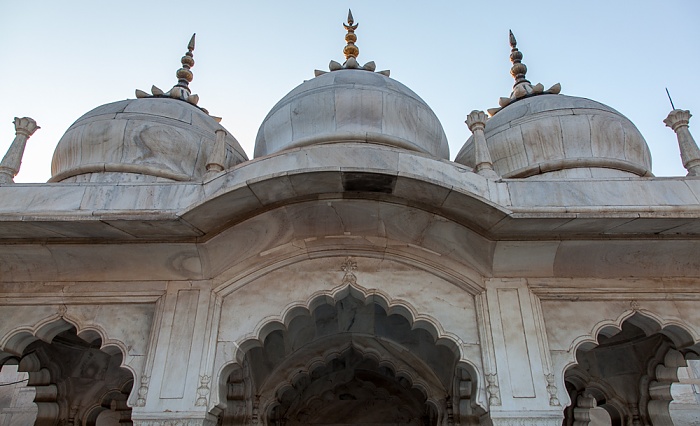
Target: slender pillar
(218,155)
(690,154)
(9,167)
(179,385)
(520,379)
(476,120)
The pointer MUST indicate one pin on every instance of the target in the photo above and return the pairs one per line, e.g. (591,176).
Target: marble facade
(351,273)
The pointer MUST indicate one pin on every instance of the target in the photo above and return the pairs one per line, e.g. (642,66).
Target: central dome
(352,105)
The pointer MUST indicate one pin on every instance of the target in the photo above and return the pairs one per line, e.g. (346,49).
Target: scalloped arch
(332,296)
(281,322)
(16,340)
(680,333)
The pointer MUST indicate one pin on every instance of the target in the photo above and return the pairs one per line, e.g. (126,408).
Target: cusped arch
(305,308)
(681,334)
(14,343)
(657,347)
(332,296)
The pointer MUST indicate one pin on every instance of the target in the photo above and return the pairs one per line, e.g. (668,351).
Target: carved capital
(677,118)
(25,126)
(476,120)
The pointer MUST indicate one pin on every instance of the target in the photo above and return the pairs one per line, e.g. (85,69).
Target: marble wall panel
(358,110)
(576,131)
(275,131)
(316,115)
(543,140)
(605,134)
(659,258)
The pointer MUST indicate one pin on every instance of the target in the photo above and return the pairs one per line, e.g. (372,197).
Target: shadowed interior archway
(629,371)
(74,376)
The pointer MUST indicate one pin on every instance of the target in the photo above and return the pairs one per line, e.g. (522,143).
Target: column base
(174,419)
(523,418)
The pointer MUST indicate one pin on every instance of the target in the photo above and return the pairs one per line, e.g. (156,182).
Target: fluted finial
(184,76)
(522,87)
(678,120)
(518,70)
(9,167)
(351,52)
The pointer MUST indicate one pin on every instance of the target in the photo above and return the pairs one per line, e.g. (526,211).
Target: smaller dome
(352,105)
(554,136)
(140,140)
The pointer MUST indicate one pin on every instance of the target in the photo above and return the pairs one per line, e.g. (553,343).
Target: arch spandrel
(122,328)
(286,289)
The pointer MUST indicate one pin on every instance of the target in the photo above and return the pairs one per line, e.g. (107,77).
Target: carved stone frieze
(142,392)
(203,391)
(552,390)
(348,266)
(493,390)
(171,422)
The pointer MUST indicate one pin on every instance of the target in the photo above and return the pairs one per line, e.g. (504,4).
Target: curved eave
(498,210)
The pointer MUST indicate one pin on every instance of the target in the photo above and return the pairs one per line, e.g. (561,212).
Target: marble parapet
(618,207)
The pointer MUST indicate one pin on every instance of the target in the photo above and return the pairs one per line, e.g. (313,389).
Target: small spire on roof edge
(351,52)
(522,87)
(678,120)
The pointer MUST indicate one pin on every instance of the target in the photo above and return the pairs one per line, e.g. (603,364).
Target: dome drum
(561,136)
(140,140)
(352,106)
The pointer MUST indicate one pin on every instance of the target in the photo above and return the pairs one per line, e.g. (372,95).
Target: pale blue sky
(62,59)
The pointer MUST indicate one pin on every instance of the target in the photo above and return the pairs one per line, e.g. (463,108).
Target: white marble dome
(140,140)
(352,105)
(557,136)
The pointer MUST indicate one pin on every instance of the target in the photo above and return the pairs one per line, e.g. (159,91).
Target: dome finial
(522,87)
(518,70)
(184,76)
(351,52)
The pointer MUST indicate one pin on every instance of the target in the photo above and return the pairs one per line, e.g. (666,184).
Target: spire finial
(522,87)
(350,51)
(184,77)
(518,70)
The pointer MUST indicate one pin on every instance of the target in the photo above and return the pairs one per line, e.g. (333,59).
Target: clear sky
(64,58)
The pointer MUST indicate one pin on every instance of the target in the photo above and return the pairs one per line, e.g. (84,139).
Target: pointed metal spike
(190,45)
(513,42)
(350,18)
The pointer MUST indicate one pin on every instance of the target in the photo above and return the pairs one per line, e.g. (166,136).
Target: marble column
(178,375)
(678,120)
(519,380)
(9,167)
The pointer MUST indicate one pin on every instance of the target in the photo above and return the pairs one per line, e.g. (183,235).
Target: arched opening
(73,379)
(628,374)
(350,361)
(17,405)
